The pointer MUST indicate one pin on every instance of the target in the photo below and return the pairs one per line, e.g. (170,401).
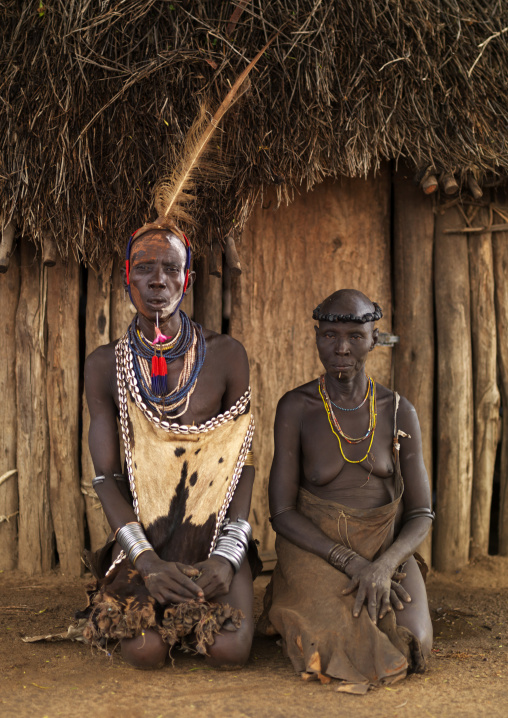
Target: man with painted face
(350,503)
(178,501)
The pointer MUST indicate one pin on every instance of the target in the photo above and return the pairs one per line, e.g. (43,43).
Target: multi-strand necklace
(151,359)
(335,426)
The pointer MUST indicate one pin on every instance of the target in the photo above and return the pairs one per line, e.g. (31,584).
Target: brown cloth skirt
(305,605)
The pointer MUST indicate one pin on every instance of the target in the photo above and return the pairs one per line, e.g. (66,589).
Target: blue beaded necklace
(142,349)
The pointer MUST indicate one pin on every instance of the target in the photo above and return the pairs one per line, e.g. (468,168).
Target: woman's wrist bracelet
(339,556)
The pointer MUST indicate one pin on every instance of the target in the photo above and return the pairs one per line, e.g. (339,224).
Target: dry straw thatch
(96,93)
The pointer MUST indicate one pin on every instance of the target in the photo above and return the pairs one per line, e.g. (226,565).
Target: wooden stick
(9,293)
(215,260)
(474,187)
(35,554)
(67,507)
(413,356)
(49,250)
(479,230)
(455,396)
(486,393)
(6,245)
(232,258)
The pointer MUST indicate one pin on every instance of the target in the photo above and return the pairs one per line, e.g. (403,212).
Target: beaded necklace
(342,408)
(334,424)
(150,360)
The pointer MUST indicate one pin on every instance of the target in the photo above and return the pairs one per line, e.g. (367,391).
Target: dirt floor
(467,675)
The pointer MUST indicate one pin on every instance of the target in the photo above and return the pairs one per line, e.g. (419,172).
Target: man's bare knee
(146,652)
(229,654)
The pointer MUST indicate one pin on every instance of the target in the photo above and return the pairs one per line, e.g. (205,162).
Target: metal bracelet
(339,556)
(132,539)
(417,513)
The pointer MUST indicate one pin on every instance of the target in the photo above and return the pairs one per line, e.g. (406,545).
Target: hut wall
(63,413)
(338,235)
(486,392)
(413,316)
(500,246)
(97,333)
(35,543)
(455,394)
(9,295)
(296,256)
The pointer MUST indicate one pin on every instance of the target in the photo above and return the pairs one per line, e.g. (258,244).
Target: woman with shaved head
(350,502)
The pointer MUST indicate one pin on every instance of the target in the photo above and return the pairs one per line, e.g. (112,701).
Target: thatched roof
(95,95)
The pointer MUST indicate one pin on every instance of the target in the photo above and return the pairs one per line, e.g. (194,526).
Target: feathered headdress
(175,193)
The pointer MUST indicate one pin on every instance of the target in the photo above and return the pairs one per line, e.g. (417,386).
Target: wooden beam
(486,393)
(9,296)
(35,544)
(207,297)
(454,474)
(67,507)
(500,247)
(97,331)
(413,356)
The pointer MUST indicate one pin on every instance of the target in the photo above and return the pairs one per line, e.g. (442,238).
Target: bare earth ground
(467,675)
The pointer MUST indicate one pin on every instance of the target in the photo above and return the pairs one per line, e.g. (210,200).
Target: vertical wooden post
(455,395)
(97,333)
(500,247)
(122,311)
(35,543)
(207,297)
(63,412)
(414,309)
(294,257)
(486,393)
(9,295)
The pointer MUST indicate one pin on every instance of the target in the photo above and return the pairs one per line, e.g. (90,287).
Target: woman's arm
(373,581)
(164,580)
(284,480)
(216,571)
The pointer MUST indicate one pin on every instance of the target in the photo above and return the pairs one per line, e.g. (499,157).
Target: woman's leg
(231,648)
(415,616)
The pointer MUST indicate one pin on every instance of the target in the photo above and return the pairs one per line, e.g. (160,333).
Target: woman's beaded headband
(320,316)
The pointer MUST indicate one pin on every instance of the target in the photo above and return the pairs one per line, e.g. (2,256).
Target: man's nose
(341,346)
(158,278)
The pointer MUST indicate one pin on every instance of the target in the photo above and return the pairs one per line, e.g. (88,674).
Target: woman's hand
(376,584)
(216,574)
(167,581)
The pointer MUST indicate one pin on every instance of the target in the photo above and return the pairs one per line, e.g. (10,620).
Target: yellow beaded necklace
(373,417)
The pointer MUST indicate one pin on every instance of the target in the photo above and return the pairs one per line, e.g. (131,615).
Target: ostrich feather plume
(173,194)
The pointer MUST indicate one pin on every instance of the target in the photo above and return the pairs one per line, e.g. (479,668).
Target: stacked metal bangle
(233,542)
(132,539)
(339,556)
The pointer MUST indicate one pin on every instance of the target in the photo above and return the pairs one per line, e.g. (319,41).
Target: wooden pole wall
(293,258)
(500,246)
(455,394)
(9,295)
(413,323)
(208,297)
(63,413)
(97,330)
(486,392)
(35,543)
